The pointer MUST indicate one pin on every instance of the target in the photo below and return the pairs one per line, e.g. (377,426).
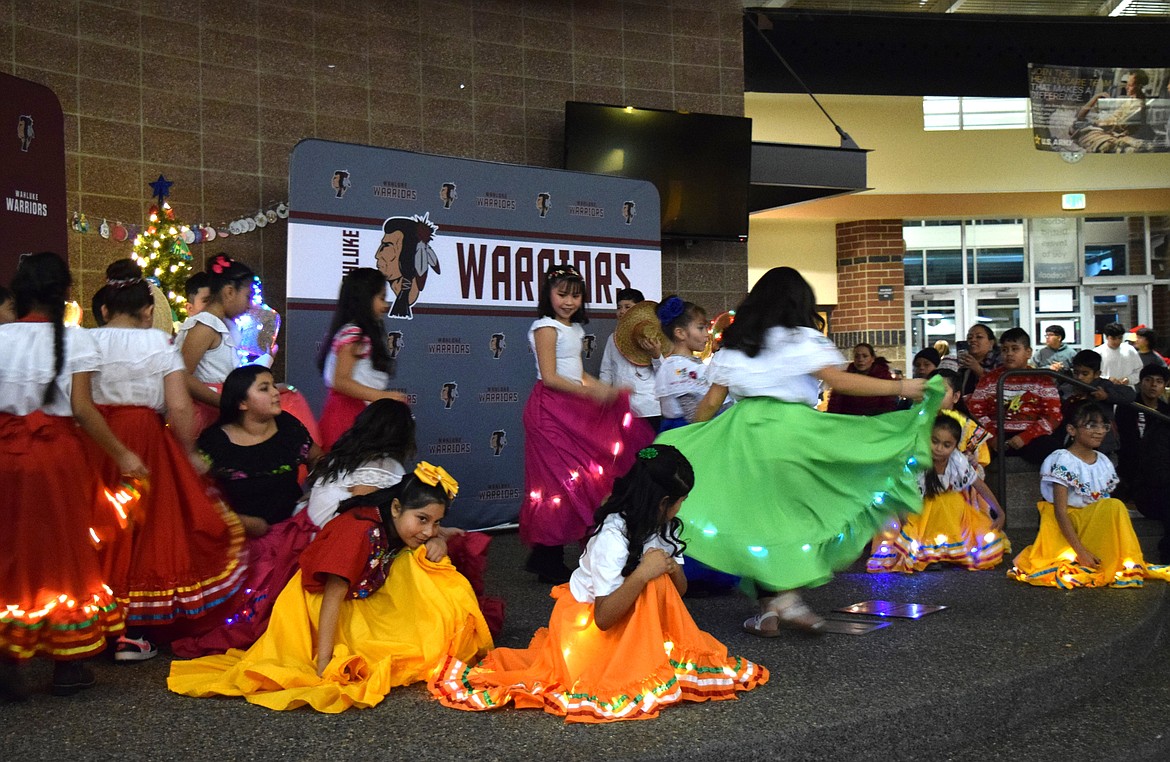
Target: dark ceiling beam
(937,54)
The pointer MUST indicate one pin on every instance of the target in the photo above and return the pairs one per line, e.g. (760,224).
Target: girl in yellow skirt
(1085,537)
(375,604)
(620,644)
(952,528)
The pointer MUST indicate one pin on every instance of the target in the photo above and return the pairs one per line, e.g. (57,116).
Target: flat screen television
(700,163)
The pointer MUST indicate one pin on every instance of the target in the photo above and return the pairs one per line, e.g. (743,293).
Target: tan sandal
(754,625)
(793,613)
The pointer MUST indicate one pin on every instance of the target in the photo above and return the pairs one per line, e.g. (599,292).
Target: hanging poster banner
(464,245)
(32,173)
(1099,110)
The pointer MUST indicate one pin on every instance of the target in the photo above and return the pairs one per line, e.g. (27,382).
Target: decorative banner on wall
(1098,110)
(1055,249)
(464,245)
(32,173)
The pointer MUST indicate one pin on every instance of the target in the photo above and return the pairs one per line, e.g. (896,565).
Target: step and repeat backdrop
(465,245)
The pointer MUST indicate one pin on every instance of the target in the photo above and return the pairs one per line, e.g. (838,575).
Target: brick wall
(869,254)
(215,93)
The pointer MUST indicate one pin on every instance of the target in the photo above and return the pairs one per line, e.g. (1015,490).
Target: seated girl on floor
(375,605)
(1085,537)
(620,644)
(952,527)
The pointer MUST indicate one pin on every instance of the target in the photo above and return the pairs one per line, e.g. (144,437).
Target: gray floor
(1006,671)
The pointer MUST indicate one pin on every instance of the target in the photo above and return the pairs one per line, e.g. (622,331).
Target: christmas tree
(162,253)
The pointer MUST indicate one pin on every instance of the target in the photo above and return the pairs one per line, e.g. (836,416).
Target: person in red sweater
(1031,403)
(867,363)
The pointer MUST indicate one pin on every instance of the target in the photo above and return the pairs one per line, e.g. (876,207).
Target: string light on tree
(161,251)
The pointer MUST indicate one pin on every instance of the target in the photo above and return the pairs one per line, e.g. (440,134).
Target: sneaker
(69,677)
(134,649)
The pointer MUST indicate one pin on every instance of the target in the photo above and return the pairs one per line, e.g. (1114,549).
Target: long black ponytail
(42,282)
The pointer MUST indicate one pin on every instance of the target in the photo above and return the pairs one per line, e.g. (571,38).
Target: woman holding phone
(977,355)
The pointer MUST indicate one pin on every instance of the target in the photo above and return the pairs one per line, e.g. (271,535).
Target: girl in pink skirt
(576,431)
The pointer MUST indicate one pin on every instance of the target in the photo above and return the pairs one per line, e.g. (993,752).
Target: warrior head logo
(340,182)
(588,341)
(394,343)
(498,441)
(542,203)
(496,345)
(405,257)
(628,211)
(24,131)
(448,195)
(449,394)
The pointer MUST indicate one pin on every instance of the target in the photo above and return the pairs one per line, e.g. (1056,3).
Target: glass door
(1102,305)
(1000,309)
(932,316)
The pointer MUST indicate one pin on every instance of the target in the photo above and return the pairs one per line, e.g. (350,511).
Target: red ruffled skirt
(337,416)
(272,562)
(179,553)
(574,448)
(657,656)
(53,599)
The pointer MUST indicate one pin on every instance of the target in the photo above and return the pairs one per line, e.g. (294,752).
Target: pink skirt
(574,448)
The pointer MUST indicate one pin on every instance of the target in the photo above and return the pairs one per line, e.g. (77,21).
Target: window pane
(912,268)
(999,265)
(944,267)
(1102,261)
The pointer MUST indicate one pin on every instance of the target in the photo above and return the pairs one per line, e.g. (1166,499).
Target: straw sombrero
(640,322)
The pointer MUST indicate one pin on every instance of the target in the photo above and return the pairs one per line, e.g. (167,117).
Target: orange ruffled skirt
(1105,529)
(952,529)
(53,599)
(656,657)
(401,634)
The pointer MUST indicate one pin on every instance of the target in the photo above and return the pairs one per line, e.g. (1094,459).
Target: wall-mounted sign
(885,293)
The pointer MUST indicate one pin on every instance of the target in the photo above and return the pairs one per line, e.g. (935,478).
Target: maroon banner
(32,173)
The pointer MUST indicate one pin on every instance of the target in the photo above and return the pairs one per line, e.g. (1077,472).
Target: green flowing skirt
(785,495)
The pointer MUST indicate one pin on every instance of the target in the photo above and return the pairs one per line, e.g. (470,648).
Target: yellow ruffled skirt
(953,528)
(1105,529)
(655,657)
(401,634)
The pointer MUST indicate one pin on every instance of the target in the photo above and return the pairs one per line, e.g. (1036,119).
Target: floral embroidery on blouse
(377,566)
(1066,476)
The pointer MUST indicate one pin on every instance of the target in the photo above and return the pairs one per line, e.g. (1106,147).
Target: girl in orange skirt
(53,599)
(620,644)
(178,554)
(961,522)
(1085,537)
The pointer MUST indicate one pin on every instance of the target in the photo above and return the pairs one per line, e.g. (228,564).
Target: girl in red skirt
(178,554)
(53,600)
(355,359)
(620,644)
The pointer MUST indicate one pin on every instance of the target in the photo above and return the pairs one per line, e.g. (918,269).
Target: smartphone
(962,346)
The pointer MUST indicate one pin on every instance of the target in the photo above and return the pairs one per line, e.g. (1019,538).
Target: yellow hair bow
(436,476)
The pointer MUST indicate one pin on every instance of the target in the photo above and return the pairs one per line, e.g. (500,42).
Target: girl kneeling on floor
(1085,537)
(950,529)
(375,605)
(620,644)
